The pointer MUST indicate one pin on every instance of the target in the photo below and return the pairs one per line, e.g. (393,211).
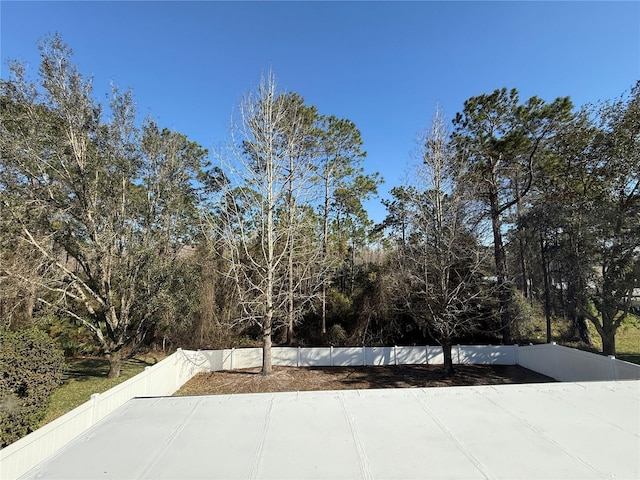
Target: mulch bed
(292,379)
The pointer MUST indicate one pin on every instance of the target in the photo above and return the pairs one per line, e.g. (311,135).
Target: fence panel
(539,358)
(435,356)
(626,370)
(379,356)
(120,394)
(24,454)
(211,360)
(347,356)
(227,359)
(284,356)
(315,357)
(575,365)
(161,376)
(484,355)
(411,355)
(245,358)
(571,365)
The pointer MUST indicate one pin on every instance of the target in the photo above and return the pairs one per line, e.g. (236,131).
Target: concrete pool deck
(530,431)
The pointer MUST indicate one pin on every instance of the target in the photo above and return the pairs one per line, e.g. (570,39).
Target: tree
(105,205)
(560,206)
(616,223)
(441,261)
(261,212)
(344,186)
(299,147)
(502,142)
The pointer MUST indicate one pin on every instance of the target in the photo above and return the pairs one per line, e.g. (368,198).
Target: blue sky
(384,65)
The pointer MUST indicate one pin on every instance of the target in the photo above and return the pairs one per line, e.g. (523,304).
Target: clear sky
(384,65)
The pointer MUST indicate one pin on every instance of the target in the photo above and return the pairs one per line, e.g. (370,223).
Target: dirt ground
(292,379)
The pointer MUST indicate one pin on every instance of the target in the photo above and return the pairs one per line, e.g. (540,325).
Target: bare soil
(292,379)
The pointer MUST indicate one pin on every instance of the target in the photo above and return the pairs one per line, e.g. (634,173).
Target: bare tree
(441,261)
(262,217)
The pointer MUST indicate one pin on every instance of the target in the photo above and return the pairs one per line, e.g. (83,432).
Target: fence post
(147,381)
(178,362)
(614,367)
(426,354)
(458,353)
(331,356)
(94,408)
(395,355)
(556,363)
(298,358)
(231,360)
(364,356)
(517,353)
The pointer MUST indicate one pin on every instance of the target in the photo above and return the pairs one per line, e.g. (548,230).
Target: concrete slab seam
(365,467)
(484,470)
(168,442)
(256,462)
(550,440)
(594,415)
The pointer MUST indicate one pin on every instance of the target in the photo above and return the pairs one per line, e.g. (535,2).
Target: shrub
(30,369)
(524,317)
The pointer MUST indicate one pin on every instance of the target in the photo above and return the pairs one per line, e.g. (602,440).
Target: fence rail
(166,377)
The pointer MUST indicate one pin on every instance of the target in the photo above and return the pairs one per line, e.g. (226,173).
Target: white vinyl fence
(358,356)
(560,363)
(570,365)
(161,379)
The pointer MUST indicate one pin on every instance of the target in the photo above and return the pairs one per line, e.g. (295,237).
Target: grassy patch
(627,336)
(86,376)
(627,340)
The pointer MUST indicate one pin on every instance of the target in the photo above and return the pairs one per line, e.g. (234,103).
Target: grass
(627,340)
(627,337)
(86,376)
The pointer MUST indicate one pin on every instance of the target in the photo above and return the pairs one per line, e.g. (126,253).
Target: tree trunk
(448,357)
(523,267)
(324,307)
(547,293)
(504,295)
(267,367)
(609,343)
(290,294)
(325,251)
(115,364)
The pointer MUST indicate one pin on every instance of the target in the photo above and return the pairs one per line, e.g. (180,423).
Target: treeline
(119,234)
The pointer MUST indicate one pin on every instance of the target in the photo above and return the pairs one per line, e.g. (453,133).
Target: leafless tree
(441,262)
(263,221)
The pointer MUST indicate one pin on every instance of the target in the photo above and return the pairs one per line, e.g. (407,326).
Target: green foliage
(72,338)
(523,316)
(101,206)
(30,369)
(337,335)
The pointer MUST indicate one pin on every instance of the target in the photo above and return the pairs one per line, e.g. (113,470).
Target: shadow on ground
(287,379)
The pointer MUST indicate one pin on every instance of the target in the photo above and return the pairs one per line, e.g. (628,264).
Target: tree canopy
(126,231)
